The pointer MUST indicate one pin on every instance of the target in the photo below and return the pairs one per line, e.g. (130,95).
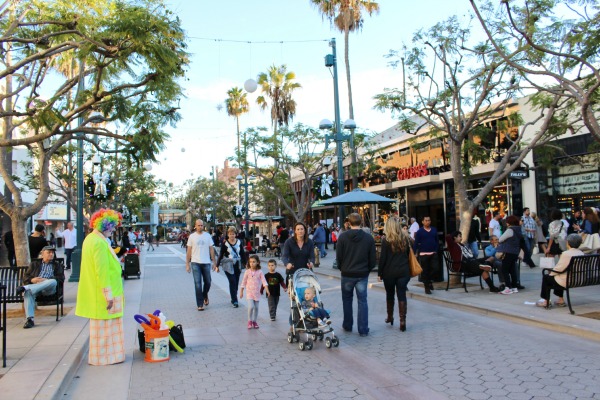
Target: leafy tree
(277,85)
(347,16)
(62,60)
(293,154)
(237,104)
(553,45)
(460,90)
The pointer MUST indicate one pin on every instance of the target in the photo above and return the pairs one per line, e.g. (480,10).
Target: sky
(231,41)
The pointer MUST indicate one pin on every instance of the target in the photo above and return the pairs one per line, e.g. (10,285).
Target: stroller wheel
(328,343)
(290,337)
(335,341)
(314,336)
(301,346)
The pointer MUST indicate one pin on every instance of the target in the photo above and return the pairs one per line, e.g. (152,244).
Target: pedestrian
(231,258)
(557,233)
(70,242)
(393,269)
(414,227)
(298,251)
(37,241)
(540,238)
(253,280)
(100,291)
(150,240)
(355,257)
(426,247)
(529,230)
(474,238)
(591,222)
(334,236)
(494,228)
(510,245)
(319,239)
(274,280)
(199,258)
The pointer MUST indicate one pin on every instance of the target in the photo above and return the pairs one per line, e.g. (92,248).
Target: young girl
(253,280)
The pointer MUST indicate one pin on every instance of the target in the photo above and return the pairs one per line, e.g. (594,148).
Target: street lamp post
(245,185)
(338,137)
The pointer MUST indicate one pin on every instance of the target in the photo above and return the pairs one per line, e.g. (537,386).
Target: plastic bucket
(157,345)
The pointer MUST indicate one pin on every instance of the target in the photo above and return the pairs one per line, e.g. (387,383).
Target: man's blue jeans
(201,273)
(348,287)
(321,247)
(46,288)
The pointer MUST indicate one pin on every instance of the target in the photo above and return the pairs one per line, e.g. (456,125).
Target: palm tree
(237,104)
(347,16)
(277,84)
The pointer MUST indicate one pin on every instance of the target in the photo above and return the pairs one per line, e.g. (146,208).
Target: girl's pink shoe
(250,325)
(255,325)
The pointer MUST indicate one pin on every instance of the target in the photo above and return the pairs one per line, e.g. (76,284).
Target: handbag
(176,333)
(546,262)
(415,267)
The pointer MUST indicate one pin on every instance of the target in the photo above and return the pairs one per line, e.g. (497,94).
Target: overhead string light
(250,84)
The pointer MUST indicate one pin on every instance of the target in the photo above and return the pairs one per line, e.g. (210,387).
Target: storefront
(573,181)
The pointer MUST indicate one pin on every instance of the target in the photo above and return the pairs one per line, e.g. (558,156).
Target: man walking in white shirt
(414,227)
(199,258)
(70,237)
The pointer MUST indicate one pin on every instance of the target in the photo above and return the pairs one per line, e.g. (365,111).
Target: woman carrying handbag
(394,269)
(232,258)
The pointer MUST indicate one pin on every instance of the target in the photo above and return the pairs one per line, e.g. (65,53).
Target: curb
(573,329)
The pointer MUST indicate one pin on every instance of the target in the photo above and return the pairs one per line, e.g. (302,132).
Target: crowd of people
(100,291)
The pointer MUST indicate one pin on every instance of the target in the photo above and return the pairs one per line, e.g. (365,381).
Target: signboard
(53,212)
(519,174)
(581,183)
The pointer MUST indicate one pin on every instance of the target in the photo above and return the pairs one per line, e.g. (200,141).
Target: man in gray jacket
(355,255)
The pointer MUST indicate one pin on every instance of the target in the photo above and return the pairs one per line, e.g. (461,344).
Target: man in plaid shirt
(42,276)
(529,229)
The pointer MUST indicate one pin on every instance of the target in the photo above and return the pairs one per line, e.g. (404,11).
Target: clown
(100,291)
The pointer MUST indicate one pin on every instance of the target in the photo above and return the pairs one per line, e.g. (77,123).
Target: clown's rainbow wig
(105,219)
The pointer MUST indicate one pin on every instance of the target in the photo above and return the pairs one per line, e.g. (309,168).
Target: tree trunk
(350,109)
(21,242)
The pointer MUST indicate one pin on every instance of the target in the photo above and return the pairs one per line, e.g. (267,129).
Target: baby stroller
(305,329)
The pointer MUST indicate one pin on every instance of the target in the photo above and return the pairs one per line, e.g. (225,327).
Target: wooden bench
(454,268)
(581,271)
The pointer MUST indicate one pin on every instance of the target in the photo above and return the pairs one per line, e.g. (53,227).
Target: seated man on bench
(41,277)
(468,262)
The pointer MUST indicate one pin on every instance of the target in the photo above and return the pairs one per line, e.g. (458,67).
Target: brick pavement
(445,353)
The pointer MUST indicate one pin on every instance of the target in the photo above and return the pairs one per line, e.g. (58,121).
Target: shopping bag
(547,262)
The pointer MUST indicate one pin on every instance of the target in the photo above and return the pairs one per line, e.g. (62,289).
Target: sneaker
(328,321)
(494,289)
(520,287)
(20,290)
(514,290)
(501,287)
(542,303)
(254,325)
(235,305)
(29,323)
(250,326)
(506,291)
(272,318)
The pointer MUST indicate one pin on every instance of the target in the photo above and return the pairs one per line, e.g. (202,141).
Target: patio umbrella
(357,196)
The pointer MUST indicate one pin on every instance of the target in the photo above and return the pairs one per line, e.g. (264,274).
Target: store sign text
(413,172)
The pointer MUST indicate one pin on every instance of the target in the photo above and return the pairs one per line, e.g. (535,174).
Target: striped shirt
(47,271)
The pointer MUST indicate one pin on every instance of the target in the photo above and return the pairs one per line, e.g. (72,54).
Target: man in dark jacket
(355,256)
(41,277)
(319,239)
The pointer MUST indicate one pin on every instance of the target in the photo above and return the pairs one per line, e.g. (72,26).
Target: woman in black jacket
(393,268)
(231,258)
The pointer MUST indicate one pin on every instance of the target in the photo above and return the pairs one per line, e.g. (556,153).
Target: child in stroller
(313,309)
(309,320)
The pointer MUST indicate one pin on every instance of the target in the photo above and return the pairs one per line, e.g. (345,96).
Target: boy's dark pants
(273,302)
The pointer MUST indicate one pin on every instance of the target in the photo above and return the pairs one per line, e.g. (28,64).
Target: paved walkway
(42,361)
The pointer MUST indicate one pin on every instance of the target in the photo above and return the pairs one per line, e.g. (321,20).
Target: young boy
(274,279)
(313,308)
